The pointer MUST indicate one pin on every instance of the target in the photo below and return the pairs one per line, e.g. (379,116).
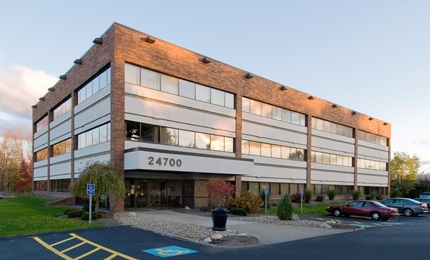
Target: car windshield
(379,205)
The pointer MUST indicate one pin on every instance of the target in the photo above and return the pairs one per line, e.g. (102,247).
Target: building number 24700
(164,161)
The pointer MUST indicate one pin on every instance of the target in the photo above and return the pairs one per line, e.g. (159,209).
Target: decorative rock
(294,217)
(132,214)
(242,234)
(187,208)
(216,236)
(207,240)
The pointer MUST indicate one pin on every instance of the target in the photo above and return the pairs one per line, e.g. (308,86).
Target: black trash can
(219,219)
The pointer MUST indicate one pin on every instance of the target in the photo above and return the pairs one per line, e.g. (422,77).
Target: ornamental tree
(105,178)
(220,192)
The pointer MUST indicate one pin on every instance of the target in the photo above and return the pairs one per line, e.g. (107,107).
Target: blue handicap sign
(266,191)
(169,251)
(91,188)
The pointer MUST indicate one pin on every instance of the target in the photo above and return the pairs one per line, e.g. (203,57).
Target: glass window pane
(246,104)
(295,118)
(186,138)
(266,110)
(147,133)
(81,141)
(96,136)
(103,133)
(103,79)
(286,152)
(229,144)
(89,90)
(339,160)
(319,157)
(245,147)
(169,84)
(132,74)
(254,148)
(133,131)
(347,161)
(276,151)
(217,97)
(108,131)
(96,85)
(302,120)
(229,100)
(150,79)
(256,107)
(217,143)
(203,141)
(266,150)
(89,138)
(326,158)
(277,113)
(108,76)
(187,89)
(333,159)
(326,126)
(169,136)
(286,115)
(203,93)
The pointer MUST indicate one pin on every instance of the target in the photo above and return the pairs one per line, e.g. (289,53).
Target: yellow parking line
(84,241)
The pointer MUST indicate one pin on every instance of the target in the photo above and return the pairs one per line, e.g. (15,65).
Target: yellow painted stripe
(88,253)
(103,248)
(55,251)
(111,257)
(62,241)
(73,247)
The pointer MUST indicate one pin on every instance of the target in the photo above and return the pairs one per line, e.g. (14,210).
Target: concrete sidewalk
(266,233)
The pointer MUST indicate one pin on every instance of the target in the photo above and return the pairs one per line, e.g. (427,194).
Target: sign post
(91,188)
(266,191)
(301,199)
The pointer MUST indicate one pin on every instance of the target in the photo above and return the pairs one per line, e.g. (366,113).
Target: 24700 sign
(164,161)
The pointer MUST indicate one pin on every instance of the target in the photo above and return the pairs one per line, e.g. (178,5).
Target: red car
(364,208)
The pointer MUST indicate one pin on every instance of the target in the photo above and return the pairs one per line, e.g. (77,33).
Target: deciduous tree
(403,171)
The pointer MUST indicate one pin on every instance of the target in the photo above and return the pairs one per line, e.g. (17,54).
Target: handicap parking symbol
(169,251)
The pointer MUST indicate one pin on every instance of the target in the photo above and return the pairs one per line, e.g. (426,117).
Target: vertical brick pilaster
(308,151)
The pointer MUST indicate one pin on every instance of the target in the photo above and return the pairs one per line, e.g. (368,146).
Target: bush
(296,198)
(395,194)
(307,196)
(220,192)
(238,211)
(379,197)
(285,209)
(94,215)
(66,212)
(87,207)
(331,194)
(373,195)
(356,195)
(247,201)
(320,198)
(75,213)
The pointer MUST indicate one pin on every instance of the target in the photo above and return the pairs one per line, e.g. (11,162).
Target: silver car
(409,207)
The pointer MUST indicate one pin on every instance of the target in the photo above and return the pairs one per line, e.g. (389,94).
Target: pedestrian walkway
(266,233)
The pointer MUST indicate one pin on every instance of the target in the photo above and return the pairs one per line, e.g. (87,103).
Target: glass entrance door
(157,193)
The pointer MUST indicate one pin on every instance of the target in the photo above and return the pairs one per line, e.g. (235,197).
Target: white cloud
(21,87)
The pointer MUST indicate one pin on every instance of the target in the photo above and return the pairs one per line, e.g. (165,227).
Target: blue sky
(370,56)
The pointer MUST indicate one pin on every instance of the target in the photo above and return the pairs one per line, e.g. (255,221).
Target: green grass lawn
(26,215)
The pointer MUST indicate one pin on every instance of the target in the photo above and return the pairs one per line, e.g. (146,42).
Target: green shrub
(307,196)
(395,194)
(66,212)
(238,211)
(94,215)
(285,209)
(356,195)
(320,198)
(373,195)
(331,194)
(75,213)
(379,197)
(247,201)
(87,208)
(263,197)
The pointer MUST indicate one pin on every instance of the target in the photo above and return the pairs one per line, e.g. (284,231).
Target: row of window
(271,150)
(42,155)
(331,127)
(151,79)
(372,138)
(42,123)
(61,147)
(277,113)
(62,185)
(294,188)
(333,159)
(156,134)
(94,86)
(62,108)
(94,136)
(370,164)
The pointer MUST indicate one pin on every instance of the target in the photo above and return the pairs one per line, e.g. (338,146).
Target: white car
(1,196)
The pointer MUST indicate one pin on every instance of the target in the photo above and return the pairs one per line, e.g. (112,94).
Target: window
(217,143)
(331,127)
(217,97)
(372,138)
(63,108)
(150,79)
(271,150)
(169,84)
(203,141)
(42,155)
(333,159)
(42,123)
(61,148)
(186,138)
(203,93)
(94,136)
(372,165)
(169,136)
(187,89)
(95,85)
(132,74)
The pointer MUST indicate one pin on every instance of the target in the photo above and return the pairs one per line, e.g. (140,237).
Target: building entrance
(145,193)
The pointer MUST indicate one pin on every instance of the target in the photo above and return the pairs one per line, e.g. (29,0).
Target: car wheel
(337,212)
(375,216)
(385,219)
(408,212)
